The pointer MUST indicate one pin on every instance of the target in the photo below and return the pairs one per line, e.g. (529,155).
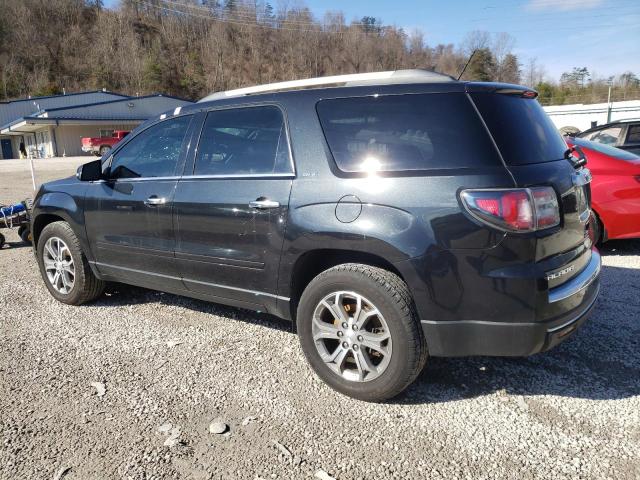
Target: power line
(317,26)
(254,23)
(251,18)
(245,13)
(241,13)
(312,27)
(248,14)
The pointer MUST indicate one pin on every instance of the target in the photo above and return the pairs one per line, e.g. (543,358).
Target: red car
(615,189)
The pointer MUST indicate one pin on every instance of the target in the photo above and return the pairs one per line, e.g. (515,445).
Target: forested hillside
(190,48)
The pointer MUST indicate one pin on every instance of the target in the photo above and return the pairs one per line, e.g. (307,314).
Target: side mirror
(90,172)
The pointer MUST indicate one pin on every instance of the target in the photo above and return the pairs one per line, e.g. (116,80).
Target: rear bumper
(475,337)
(89,149)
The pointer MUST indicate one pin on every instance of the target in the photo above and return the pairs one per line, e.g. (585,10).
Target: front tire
(359,330)
(64,267)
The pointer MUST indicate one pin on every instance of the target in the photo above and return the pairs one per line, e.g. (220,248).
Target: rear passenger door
(231,212)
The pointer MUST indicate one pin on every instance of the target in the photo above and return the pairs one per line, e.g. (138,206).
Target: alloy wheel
(58,265)
(351,336)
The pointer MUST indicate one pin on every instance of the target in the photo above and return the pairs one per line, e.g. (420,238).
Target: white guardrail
(581,117)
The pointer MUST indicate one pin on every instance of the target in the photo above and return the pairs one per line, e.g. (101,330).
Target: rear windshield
(523,131)
(395,133)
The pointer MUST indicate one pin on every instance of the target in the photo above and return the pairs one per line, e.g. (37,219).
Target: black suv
(391,216)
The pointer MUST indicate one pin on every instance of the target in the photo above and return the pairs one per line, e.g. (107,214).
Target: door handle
(153,200)
(263,204)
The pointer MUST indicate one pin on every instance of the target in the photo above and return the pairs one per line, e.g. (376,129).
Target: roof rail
(354,79)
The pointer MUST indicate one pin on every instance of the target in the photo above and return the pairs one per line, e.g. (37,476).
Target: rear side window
(521,128)
(396,133)
(243,141)
(634,134)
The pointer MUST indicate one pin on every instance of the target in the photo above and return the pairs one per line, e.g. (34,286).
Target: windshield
(605,149)
(520,127)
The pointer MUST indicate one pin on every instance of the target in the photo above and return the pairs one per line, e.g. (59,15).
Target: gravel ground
(169,366)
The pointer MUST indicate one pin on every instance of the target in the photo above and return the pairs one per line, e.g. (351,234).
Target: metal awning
(33,124)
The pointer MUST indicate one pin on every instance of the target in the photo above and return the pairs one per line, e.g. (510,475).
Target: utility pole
(609,82)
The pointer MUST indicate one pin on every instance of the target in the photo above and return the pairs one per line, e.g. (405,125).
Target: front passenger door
(129,215)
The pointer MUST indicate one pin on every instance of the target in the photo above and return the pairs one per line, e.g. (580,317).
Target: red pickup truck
(101,145)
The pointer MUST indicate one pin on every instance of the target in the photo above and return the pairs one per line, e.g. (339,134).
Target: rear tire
(385,352)
(103,149)
(67,274)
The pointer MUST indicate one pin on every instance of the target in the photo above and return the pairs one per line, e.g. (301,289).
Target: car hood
(61,181)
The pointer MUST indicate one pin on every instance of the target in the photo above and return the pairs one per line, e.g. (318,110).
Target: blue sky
(602,35)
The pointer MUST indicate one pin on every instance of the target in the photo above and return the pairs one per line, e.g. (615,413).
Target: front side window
(608,136)
(243,141)
(152,153)
(396,133)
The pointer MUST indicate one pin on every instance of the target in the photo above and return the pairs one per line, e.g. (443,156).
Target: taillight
(514,210)
(545,207)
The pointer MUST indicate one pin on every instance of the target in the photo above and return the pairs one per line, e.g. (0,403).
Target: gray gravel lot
(573,412)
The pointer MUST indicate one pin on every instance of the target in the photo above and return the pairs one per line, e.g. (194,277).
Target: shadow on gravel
(118,295)
(600,362)
(14,245)
(621,247)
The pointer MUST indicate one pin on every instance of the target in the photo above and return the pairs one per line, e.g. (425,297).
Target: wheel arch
(40,222)
(310,264)
(54,207)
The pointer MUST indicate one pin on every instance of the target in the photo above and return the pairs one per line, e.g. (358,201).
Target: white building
(580,117)
(53,126)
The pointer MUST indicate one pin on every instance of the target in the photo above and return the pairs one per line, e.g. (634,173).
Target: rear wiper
(581,161)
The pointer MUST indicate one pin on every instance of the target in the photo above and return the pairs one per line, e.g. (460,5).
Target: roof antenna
(467,64)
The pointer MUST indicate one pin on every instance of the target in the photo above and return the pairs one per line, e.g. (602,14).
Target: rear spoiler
(500,88)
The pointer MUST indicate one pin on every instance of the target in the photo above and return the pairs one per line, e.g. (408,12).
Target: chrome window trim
(201,177)
(240,176)
(136,179)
